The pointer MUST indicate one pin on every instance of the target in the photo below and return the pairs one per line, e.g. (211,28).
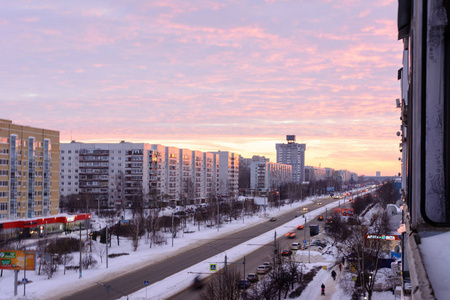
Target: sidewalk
(312,291)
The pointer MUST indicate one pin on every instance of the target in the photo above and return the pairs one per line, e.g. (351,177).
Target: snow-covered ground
(60,284)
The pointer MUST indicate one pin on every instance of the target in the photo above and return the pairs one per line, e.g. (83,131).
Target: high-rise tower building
(293,154)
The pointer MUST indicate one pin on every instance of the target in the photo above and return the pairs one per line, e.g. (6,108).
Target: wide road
(265,253)
(130,283)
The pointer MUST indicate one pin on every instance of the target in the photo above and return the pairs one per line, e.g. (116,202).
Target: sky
(230,75)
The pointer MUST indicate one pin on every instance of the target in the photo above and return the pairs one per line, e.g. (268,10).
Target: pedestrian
(333,274)
(323,289)
(343,260)
(340,267)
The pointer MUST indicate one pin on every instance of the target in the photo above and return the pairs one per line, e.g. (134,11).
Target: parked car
(252,277)
(286,252)
(273,219)
(266,263)
(244,284)
(262,269)
(300,227)
(295,246)
(318,243)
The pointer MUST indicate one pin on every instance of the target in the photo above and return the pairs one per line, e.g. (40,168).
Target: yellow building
(29,171)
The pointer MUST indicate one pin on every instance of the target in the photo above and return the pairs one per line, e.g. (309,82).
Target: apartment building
(121,174)
(265,175)
(315,173)
(29,171)
(228,175)
(293,154)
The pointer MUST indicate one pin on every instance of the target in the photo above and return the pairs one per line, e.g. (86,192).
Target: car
(300,227)
(329,220)
(244,284)
(320,218)
(286,252)
(273,219)
(305,209)
(318,243)
(252,277)
(266,263)
(304,247)
(295,246)
(262,269)
(290,235)
(319,203)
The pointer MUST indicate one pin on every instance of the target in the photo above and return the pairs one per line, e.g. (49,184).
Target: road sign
(213,267)
(304,241)
(146,283)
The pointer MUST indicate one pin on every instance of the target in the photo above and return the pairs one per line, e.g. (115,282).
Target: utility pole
(274,248)
(81,272)
(172,228)
(217,214)
(106,245)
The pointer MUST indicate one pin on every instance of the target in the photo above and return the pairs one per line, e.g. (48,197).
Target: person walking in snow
(340,267)
(323,289)
(333,274)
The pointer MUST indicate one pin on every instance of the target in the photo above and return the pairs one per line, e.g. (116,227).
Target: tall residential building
(121,174)
(29,171)
(111,173)
(228,178)
(293,154)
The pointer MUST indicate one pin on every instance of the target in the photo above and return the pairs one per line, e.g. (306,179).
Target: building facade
(123,174)
(228,175)
(29,171)
(315,173)
(266,175)
(423,28)
(293,154)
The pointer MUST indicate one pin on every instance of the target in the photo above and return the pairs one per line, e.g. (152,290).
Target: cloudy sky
(235,75)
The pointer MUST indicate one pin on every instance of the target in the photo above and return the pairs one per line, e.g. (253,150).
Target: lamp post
(172,227)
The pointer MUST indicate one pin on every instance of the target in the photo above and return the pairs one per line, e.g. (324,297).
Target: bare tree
(223,285)
(363,253)
(100,250)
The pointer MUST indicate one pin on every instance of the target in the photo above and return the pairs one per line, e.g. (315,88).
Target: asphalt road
(132,282)
(265,253)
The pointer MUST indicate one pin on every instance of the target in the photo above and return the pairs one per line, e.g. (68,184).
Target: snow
(54,288)
(435,254)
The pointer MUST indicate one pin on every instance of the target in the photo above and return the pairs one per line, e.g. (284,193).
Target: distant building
(315,173)
(266,175)
(378,173)
(29,169)
(293,154)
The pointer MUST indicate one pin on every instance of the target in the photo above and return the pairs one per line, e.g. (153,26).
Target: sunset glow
(210,75)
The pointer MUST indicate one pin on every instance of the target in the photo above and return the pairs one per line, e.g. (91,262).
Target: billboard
(14,260)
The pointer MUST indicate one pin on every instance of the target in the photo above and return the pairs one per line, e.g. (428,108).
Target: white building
(266,175)
(228,175)
(118,174)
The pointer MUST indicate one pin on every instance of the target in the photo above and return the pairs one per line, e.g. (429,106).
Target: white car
(295,246)
(262,269)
